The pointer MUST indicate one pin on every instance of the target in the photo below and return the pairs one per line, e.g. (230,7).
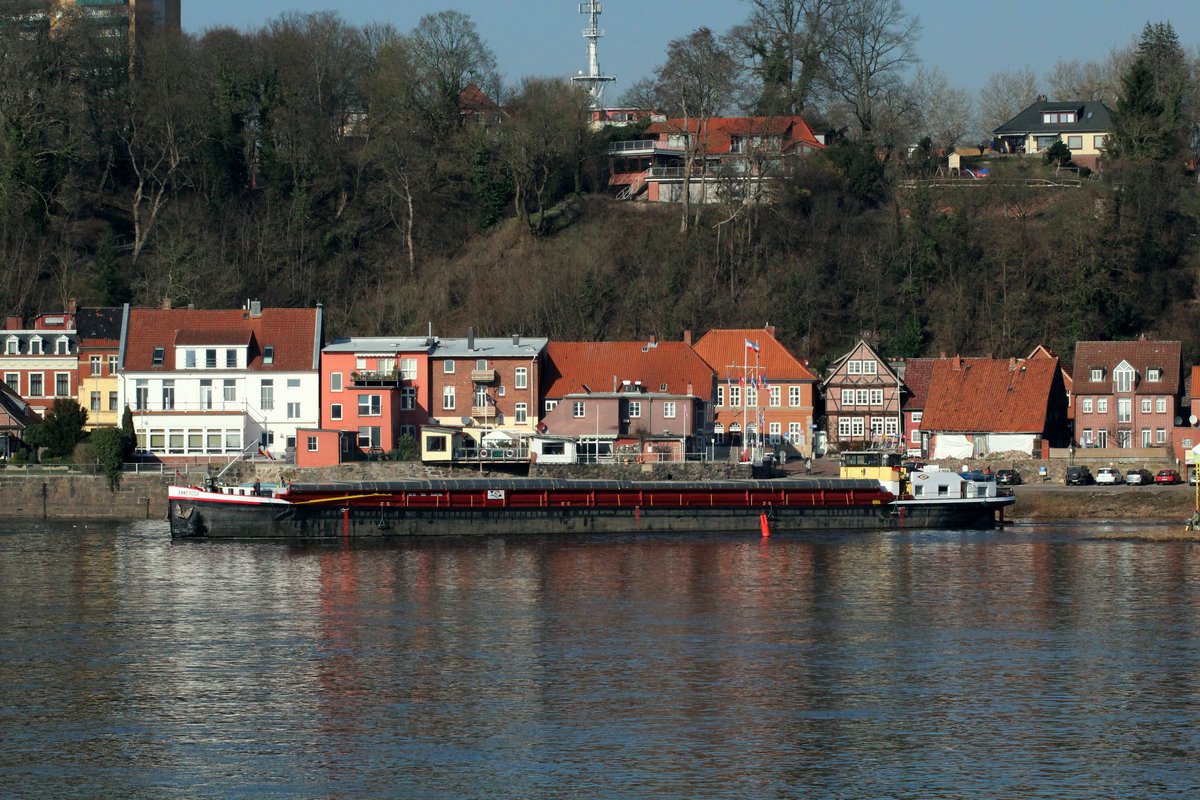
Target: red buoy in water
(766,526)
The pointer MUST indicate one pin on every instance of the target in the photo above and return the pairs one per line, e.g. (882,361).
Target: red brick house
(863,401)
(764,394)
(980,406)
(40,361)
(1126,393)
(915,374)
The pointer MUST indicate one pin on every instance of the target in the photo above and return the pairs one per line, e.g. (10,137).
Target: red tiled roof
(725,351)
(718,130)
(570,365)
(1141,355)
(989,395)
(917,374)
(291,331)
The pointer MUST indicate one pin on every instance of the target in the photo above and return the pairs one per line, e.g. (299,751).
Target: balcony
(486,412)
(483,376)
(365,378)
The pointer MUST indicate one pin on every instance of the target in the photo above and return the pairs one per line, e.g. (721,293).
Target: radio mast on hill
(593,82)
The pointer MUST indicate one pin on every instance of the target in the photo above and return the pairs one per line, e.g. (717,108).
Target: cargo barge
(547,506)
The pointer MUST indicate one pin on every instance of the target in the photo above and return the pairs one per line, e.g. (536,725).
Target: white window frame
(668,409)
(843,427)
(862,397)
(449,401)
(720,396)
(775,396)
(1123,378)
(635,409)
(1101,405)
(847,397)
(870,367)
(448,366)
(857,427)
(520,413)
(1086,405)
(1147,405)
(578,409)
(854,367)
(335,381)
(521,378)
(876,397)
(1160,405)
(795,397)
(370,405)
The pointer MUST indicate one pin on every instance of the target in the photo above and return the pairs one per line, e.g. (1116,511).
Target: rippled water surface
(1029,663)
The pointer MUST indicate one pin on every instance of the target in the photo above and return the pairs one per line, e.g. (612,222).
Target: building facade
(1126,394)
(99,336)
(376,388)
(40,360)
(863,397)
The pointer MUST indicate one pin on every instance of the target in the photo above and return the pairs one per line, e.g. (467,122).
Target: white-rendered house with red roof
(203,384)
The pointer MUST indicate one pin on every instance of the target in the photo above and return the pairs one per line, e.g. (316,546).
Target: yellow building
(99,336)
(1082,125)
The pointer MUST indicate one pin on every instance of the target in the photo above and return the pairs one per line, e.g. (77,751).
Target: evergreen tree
(1149,124)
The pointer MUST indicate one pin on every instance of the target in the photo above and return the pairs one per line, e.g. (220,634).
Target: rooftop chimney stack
(471,338)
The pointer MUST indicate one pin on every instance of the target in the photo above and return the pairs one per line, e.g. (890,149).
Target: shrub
(108,447)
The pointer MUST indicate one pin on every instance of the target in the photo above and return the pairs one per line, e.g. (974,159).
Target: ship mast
(593,82)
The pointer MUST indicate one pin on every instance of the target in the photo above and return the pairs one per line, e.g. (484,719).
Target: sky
(968,40)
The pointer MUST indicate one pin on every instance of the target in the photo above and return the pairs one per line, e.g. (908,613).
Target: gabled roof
(293,332)
(1141,354)
(472,98)
(1091,116)
(97,325)
(988,395)
(718,131)
(599,365)
(860,345)
(725,351)
(917,374)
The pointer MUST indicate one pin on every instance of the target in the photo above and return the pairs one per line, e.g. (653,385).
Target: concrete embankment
(51,496)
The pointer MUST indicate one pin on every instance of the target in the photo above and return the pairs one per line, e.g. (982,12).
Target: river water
(1032,662)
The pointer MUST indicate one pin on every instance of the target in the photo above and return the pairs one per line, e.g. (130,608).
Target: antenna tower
(593,82)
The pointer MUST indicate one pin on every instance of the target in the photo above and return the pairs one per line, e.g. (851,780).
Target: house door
(1102,438)
(1124,438)
(1147,441)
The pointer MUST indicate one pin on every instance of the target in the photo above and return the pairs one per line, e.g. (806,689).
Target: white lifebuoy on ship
(508,453)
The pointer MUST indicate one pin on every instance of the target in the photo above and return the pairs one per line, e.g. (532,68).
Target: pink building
(1126,394)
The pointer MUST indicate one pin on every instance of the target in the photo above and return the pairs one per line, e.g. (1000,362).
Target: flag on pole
(752,345)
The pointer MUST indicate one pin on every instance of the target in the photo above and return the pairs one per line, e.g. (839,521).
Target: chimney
(470,338)
(516,338)
(13,324)
(958,362)
(1041,98)
(166,304)
(1012,364)
(770,329)
(72,306)
(943,354)
(653,339)
(256,308)
(687,338)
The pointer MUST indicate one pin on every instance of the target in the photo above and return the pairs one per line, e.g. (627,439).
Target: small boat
(548,506)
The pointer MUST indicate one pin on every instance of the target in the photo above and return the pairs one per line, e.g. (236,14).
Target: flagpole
(745,385)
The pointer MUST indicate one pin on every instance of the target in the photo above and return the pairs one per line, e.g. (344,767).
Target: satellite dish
(1178,421)
(465,420)
(1192,419)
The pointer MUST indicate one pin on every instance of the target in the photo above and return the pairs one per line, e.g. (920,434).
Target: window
(720,395)
(95,406)
(551,405)
(1087,405)
(521,378)
(794,396)
(795,433)
(1086,439)
(13,379)
(577,409)
(435,444)
(408,369)
(1123,378)
(1097,374)
(1146,405)
(1160,435)
(231,359)
(876,397)
(335,411)
(1098,141)
(1124,409)
(12,346)
(843,427)
(141,395)
(335,381)
(293,383)
(370,405)
(408,399)
(480,398)
(719,433)
(847,397)
(168,395)
(1160,405)
(269,354)
(112,401)
(877,426)
(775,431)
(312,444)
(1046,142)
(735,396)
(775,396)
(210,359)
(668,410)
(870,368)
(229,390)
(635,409)
(1102,405)
(481,364)
(267,396)
(95,366)
(522,413)
(368,436)
(447,398)
(189,359)
(862,397)
(891,426)
(1075,142)
(35,346)
(408,430)
(293,411)
(448,366)
(1147,437)
(854,368)
(206,393)
(156,360)
(500,390)
(751,397)
(1154,375)
(112,365)
(856,426)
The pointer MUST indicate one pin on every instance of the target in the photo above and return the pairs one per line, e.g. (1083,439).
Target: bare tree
(944,112)
(449,55)
(866,57)
(781,44)
(697,83)
(1004,96)
(1077,80)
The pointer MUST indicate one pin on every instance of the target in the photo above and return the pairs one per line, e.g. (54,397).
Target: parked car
(1008,477)
(1138,477)
(1108,476)
(1193,477)
(1167,476)
(1079,476)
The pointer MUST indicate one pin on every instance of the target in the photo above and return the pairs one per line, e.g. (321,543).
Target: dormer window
(12,346)
(1154,374)
(1123,378)
(1097,374)
(35,346)
(1058,117)
(62,346)
(268,355)
(157,359)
